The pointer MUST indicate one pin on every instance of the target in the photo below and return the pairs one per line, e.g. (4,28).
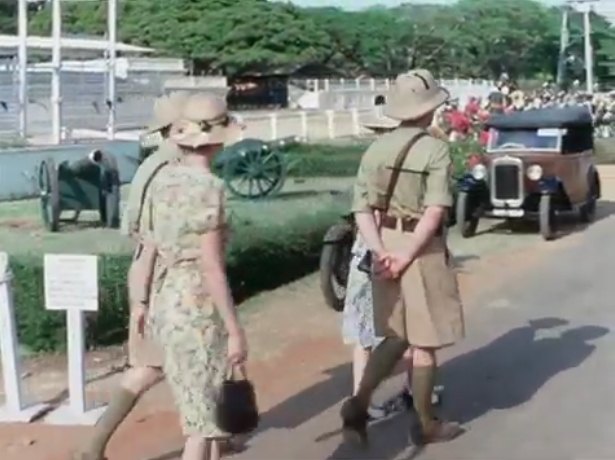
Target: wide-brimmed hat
(380,122)
(413,95)
(205,120)
(167,110)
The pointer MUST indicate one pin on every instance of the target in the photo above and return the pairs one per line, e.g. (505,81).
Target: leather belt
(406,224)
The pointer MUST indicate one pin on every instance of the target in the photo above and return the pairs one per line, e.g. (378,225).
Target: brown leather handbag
(366,263)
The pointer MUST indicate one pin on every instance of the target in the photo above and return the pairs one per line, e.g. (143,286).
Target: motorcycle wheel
(335,265)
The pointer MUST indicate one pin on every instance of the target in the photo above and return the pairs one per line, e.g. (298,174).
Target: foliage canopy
(470,38)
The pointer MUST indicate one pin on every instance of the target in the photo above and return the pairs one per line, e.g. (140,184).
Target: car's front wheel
(547,217)
(466,215)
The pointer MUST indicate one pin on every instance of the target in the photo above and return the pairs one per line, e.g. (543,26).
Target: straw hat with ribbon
(413,95)
(167,110)
(205,120)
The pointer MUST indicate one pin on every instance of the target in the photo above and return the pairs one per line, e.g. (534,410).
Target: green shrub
(262,255)
(343,160)
(317,160)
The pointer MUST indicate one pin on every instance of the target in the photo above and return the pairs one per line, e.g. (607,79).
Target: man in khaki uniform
(145,357)
(401,198)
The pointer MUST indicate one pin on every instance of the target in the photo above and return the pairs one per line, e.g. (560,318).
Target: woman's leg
(360,355)
(214,450)
(195,448)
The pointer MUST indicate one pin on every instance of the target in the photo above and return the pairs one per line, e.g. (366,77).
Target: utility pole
(563,47)
(112,54)
(56,59)
(22,25)
(585,7)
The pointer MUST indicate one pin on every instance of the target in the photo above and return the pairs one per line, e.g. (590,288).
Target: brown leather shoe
(355,420)
(437,431)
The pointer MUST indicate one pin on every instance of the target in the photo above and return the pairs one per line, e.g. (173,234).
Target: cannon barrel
(283,142)
(80,166)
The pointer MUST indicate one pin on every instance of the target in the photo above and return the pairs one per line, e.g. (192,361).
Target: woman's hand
(237,347)
(139,316)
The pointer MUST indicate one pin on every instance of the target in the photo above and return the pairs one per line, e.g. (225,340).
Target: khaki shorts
(423,306)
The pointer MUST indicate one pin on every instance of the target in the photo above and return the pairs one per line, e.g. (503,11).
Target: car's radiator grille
(506,182)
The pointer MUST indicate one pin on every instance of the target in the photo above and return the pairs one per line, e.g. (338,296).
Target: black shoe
(354,419)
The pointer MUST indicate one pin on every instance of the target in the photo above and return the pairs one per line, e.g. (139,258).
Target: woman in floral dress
(191,314)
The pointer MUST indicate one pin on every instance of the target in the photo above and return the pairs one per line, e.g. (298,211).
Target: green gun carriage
(88,184)
(251,168)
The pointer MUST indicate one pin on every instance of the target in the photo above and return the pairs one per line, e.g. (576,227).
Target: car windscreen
(524,139)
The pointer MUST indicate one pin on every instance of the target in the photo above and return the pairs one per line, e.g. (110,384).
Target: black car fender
(339,233)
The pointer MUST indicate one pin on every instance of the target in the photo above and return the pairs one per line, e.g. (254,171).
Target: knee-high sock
(423,381)
(119,407)
(379,366)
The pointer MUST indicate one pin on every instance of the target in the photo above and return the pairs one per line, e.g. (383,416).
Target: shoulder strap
(145,187)
(399,161)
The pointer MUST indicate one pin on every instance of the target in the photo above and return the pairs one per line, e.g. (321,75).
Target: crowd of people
(460,121)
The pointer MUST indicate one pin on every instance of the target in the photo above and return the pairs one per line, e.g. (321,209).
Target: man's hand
(139,315)
(399,263)
(391,265)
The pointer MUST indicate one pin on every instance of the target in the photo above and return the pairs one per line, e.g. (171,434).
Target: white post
(342,83)
(356,127)
(387,84)
(56,58)
(372,84)
(22,15)
(331,123)
(316,85)
(273,118)
(71,284)
(112,54)
(327,84)
(357,83)
(304,125)
(76,369)
(14,410)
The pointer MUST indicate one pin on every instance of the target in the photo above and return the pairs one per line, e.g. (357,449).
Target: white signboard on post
(14,409)
(71,284)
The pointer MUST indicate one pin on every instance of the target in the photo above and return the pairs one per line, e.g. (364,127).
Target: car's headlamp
(534,172)
(479,172)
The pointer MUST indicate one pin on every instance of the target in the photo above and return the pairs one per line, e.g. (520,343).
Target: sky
(604,7)
(359,4)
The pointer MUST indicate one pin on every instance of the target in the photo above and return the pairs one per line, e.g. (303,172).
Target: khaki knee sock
(379,366)
(423,381)
(120,405)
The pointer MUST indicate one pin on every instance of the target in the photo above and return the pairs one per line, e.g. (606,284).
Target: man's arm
(438,198)
(363,212)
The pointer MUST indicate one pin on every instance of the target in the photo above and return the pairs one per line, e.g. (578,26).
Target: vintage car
(538,164)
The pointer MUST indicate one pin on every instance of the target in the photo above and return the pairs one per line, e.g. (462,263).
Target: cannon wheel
(255,174)
(50,194)
(110,199)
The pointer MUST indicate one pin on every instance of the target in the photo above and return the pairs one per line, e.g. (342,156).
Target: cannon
(253,168)
(250,168)
(88,184)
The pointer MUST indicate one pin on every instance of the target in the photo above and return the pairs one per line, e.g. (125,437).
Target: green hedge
(261,256)
(343,161)
(316,160)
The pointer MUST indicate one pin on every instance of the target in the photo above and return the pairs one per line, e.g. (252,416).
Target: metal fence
(84,100)
(85,105)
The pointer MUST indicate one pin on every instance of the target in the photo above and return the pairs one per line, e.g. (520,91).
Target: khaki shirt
(136,196)
(425,178)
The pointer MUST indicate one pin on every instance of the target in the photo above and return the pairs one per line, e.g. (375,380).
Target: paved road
(533,380)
